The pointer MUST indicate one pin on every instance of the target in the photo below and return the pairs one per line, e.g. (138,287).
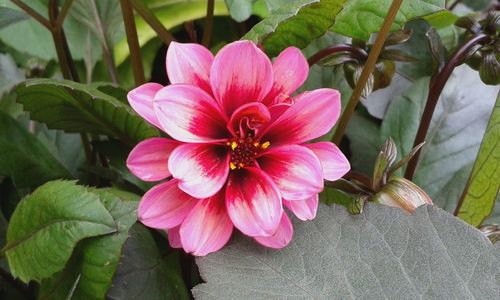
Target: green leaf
(32,38)
(171,13)
(74,107)
(240,10)
(95,260)
(360,18)
(46,226)
(10,16)
(482,188)
(364,137)
(381,254)
(25,159)
(144,272)
(117,154)
(295,24)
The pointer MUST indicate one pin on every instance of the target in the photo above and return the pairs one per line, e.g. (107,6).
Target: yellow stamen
(234,145)
(232,166)
(265,145)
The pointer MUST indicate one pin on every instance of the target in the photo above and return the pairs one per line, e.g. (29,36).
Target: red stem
(436,87)
(356,51)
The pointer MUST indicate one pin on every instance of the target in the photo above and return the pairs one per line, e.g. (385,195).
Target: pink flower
(238,152)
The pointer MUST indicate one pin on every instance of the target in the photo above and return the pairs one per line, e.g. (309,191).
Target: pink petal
(174,239)
(240,73)
(290,71)
(253,202)
(335,164)
(189,114)
(141,100)
(281,238)
(201,169)
(254,115)
(304,209)
(189,63)
(148,160)
(165,206)
(207,228)
(311,115)
(294,169)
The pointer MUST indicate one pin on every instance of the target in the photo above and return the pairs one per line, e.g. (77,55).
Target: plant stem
(30,11)
(354,50)
(454,4)
(133,42)
(435,89)
(209,23)
(152,21)
(367,70)
(61,44)
(63,13)
(106,49)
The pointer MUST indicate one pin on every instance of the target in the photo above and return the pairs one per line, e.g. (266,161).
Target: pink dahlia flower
(239,150)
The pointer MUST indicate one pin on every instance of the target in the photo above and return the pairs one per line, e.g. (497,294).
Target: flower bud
(402,193)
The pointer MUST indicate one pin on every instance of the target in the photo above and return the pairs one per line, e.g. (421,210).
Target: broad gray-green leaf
(46,225)
(295,24)
(484,182)
(365,142)
(240,10)
(95,260)
(360,18)
(144,272)
(10,16)
(380,254)
(74,107)
(24,158)
(10,74)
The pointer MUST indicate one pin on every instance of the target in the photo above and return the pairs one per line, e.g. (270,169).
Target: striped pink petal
(149,159)
(334,163)
(281,238)
(141,100)
(303,209)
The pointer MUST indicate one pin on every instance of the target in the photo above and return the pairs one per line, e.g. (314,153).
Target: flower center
(244,150)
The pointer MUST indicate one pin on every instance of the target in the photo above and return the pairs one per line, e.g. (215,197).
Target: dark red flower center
(244,150)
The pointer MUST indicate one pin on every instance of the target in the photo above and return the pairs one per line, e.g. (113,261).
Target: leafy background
(49,189)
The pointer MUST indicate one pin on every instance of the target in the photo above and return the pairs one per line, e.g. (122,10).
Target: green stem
(133,42)
(153,21)
(209,24)
(435,89)
(367,70)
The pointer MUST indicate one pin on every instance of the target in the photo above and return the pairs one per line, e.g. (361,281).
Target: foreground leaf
(380,254)
(25,159)
(295,24)
(46,225)
(482,188)
(10,16)
(360,18)
(144,273)
(74,107)
(94,262)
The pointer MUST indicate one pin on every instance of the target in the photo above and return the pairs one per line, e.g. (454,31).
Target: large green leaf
(10,16)
(32,38)
(360,18)
(240,10)
(380,254)
(145,272)
(484,182)
(10,74)
(295,24)
(46,225)
(25,159)
(94,262)
(74,107)
(171,13)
